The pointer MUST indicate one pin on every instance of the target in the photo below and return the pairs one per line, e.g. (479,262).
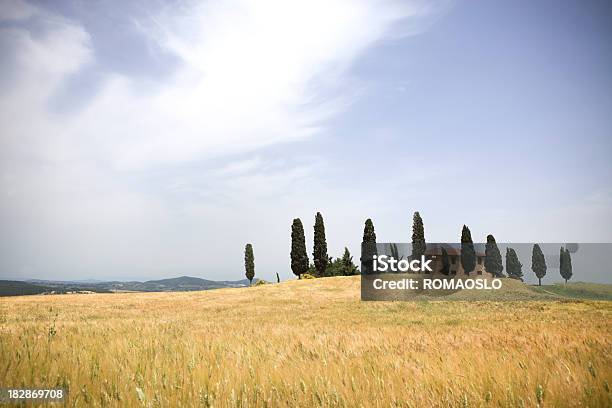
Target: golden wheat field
(306,343)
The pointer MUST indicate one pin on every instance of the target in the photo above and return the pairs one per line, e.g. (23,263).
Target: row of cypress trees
(538,263)
(299,256)
(493,257)
(324,265)
(344,266)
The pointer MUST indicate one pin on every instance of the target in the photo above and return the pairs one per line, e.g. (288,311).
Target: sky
(151,139)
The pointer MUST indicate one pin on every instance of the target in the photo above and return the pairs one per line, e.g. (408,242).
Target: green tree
(368,247)
(313,271)
(319,253)
(348,268)
(538,263)
(333,268)
(565,264)
(249,262)
(514,267)
(343,266)
(445,262)
(368,232)
(468,254)
(568,265)
(299,257)
(418,236)
(561,261)
(493,259)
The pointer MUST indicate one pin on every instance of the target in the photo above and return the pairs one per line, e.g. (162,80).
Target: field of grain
(306,343)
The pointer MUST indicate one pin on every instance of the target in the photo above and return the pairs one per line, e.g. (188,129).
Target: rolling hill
(305,343)
(19,288)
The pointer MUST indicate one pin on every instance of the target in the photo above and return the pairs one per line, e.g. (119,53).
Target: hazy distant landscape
(183,283)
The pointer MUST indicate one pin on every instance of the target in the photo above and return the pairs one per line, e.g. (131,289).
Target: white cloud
(252,73)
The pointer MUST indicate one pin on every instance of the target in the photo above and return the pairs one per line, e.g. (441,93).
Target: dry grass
(306,343)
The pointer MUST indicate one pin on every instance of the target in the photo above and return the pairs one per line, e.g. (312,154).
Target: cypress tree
(418,236)
(299,257)
(538,263)
(493,259)
(468,254)
(319,253)
(561,261)
(565,266)
(513,266)
(568,264)
(369,235)
(445,262)
(249,262)
(368,248)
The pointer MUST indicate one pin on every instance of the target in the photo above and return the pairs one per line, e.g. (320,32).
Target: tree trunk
(539,281)
(300,276)
(566,281)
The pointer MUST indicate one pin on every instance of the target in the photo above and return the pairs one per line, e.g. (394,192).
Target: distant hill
(78,281)
(18,288)
(512,289)
(180,284)
(182,280)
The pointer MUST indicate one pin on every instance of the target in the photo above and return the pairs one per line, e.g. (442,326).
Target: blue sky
(154,139)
